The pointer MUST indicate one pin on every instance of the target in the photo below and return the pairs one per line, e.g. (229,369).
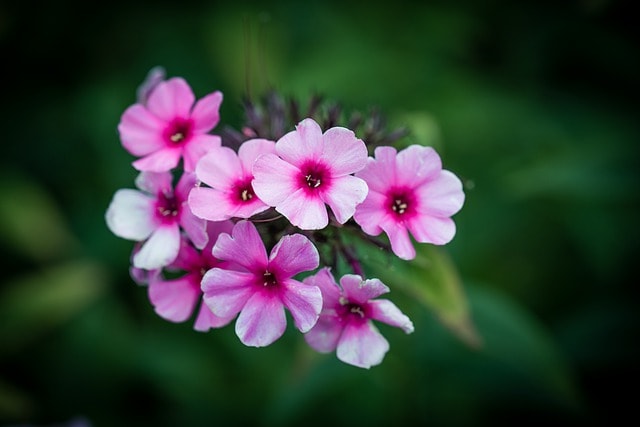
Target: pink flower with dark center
(229,175)
(409,192)
(155,216)
(345,322)
(169,126)
(176,299)
(262,287)
(312,169)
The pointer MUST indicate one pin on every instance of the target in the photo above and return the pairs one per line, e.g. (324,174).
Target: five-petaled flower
(409,192)
(169,126)
(345,322)
(260,287)
(310,169)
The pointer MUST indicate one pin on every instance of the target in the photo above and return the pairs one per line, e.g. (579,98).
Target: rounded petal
(362,345)
(155,182)
(262,321)
(304,302)
(162,160)
(371,213)
(130,215)
(361,291)
(324,336)
(301,145)
(401,244)
(206,112)
(194,227)
(293,254)
(307,213)
(207,320)
(220,168)
(274,179)
(438,231)
(344,195)
(170,99)
(251,149)
(380,173)
(244,248)
(211,204)
(417,164)
(387,312)
(226,291)
(174,300)
(343,151)
(160,250)
(442,196)
(140,131)
(197,147)
(324,280)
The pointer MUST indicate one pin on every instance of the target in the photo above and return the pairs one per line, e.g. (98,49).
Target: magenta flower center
(401,202)
(243,191)
(167,207)
(353,311)
(178,131)
(269,279)
(314,176)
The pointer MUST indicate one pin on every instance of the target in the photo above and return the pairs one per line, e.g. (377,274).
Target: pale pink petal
(261,321)
(294,253)
(174,300)
(207,320)
(160,249)
(159,161)
(197,147)
(361,291)
(227,291)
(155,76)
(401,244)
(301,145)
(324,336)
(205,113)
(194,227)
(387,312)
(307,213)
(417,164)
(155,182)
(426,229)
(140,131)
(250,150)
(324,280)
(187,181)
(371,213)
(380,174)
(220,168)
(343,151)
(170,99)
(442,196)
(211,204)
(274,179)
(244,248)
(304,302)
(130,215)
(345,193)
(362,345)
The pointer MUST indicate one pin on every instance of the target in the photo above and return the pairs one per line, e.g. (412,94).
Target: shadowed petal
(362,345)
(130,215)
(293,254)
(387,312)
(160,250)
(174,300)
(197,147)
(361,291)
(194,227)
(262,320)
(207,320)
(155,182)
(324,280)
(324,336)
(371,213)
(304,302)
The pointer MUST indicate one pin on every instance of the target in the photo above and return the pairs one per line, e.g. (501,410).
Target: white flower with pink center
(409,192)
(155,216)
(311,169)
(228,175)
(345,324)
(169,127)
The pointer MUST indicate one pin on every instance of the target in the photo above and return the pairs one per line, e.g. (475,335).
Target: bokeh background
(533,104)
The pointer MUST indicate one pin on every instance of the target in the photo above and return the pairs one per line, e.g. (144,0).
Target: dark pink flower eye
(178,131)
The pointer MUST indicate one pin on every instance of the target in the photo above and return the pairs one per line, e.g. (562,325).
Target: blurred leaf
(432,279)
(30,221)
(14,404)
(32,305)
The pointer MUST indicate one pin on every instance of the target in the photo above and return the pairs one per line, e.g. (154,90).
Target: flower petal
(442,196)
(371,213)
(274,179)
(431,229)
(159,161)
(140,131)
(244,248)
(417,164)
(207,320)
(324,280)
(130,215)
(401,244)
(324,336)
(174,300)
(262,320)
(307,213)
(293,254)
(304,302)
(250,150)
(220,168)
(226,291)
(387,312)
(362,345)
(380,173)
(301,145)
(211,204)
(155,182)
(343,151)
(197,147)
(194,227)
(170,99)
(344,194)
(160,250)
(205,113)
(361,291)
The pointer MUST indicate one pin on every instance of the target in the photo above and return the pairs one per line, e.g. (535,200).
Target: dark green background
(533,104)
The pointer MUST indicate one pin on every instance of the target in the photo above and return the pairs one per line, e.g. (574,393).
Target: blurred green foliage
(533,104)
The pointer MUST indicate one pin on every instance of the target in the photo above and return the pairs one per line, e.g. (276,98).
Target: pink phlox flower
(176,299)
(170,126)
(229,175)
(311,169)
(155,215)
(345,322)
(409,192)
(263,286)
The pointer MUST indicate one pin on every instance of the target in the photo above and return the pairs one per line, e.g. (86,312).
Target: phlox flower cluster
(228,224)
